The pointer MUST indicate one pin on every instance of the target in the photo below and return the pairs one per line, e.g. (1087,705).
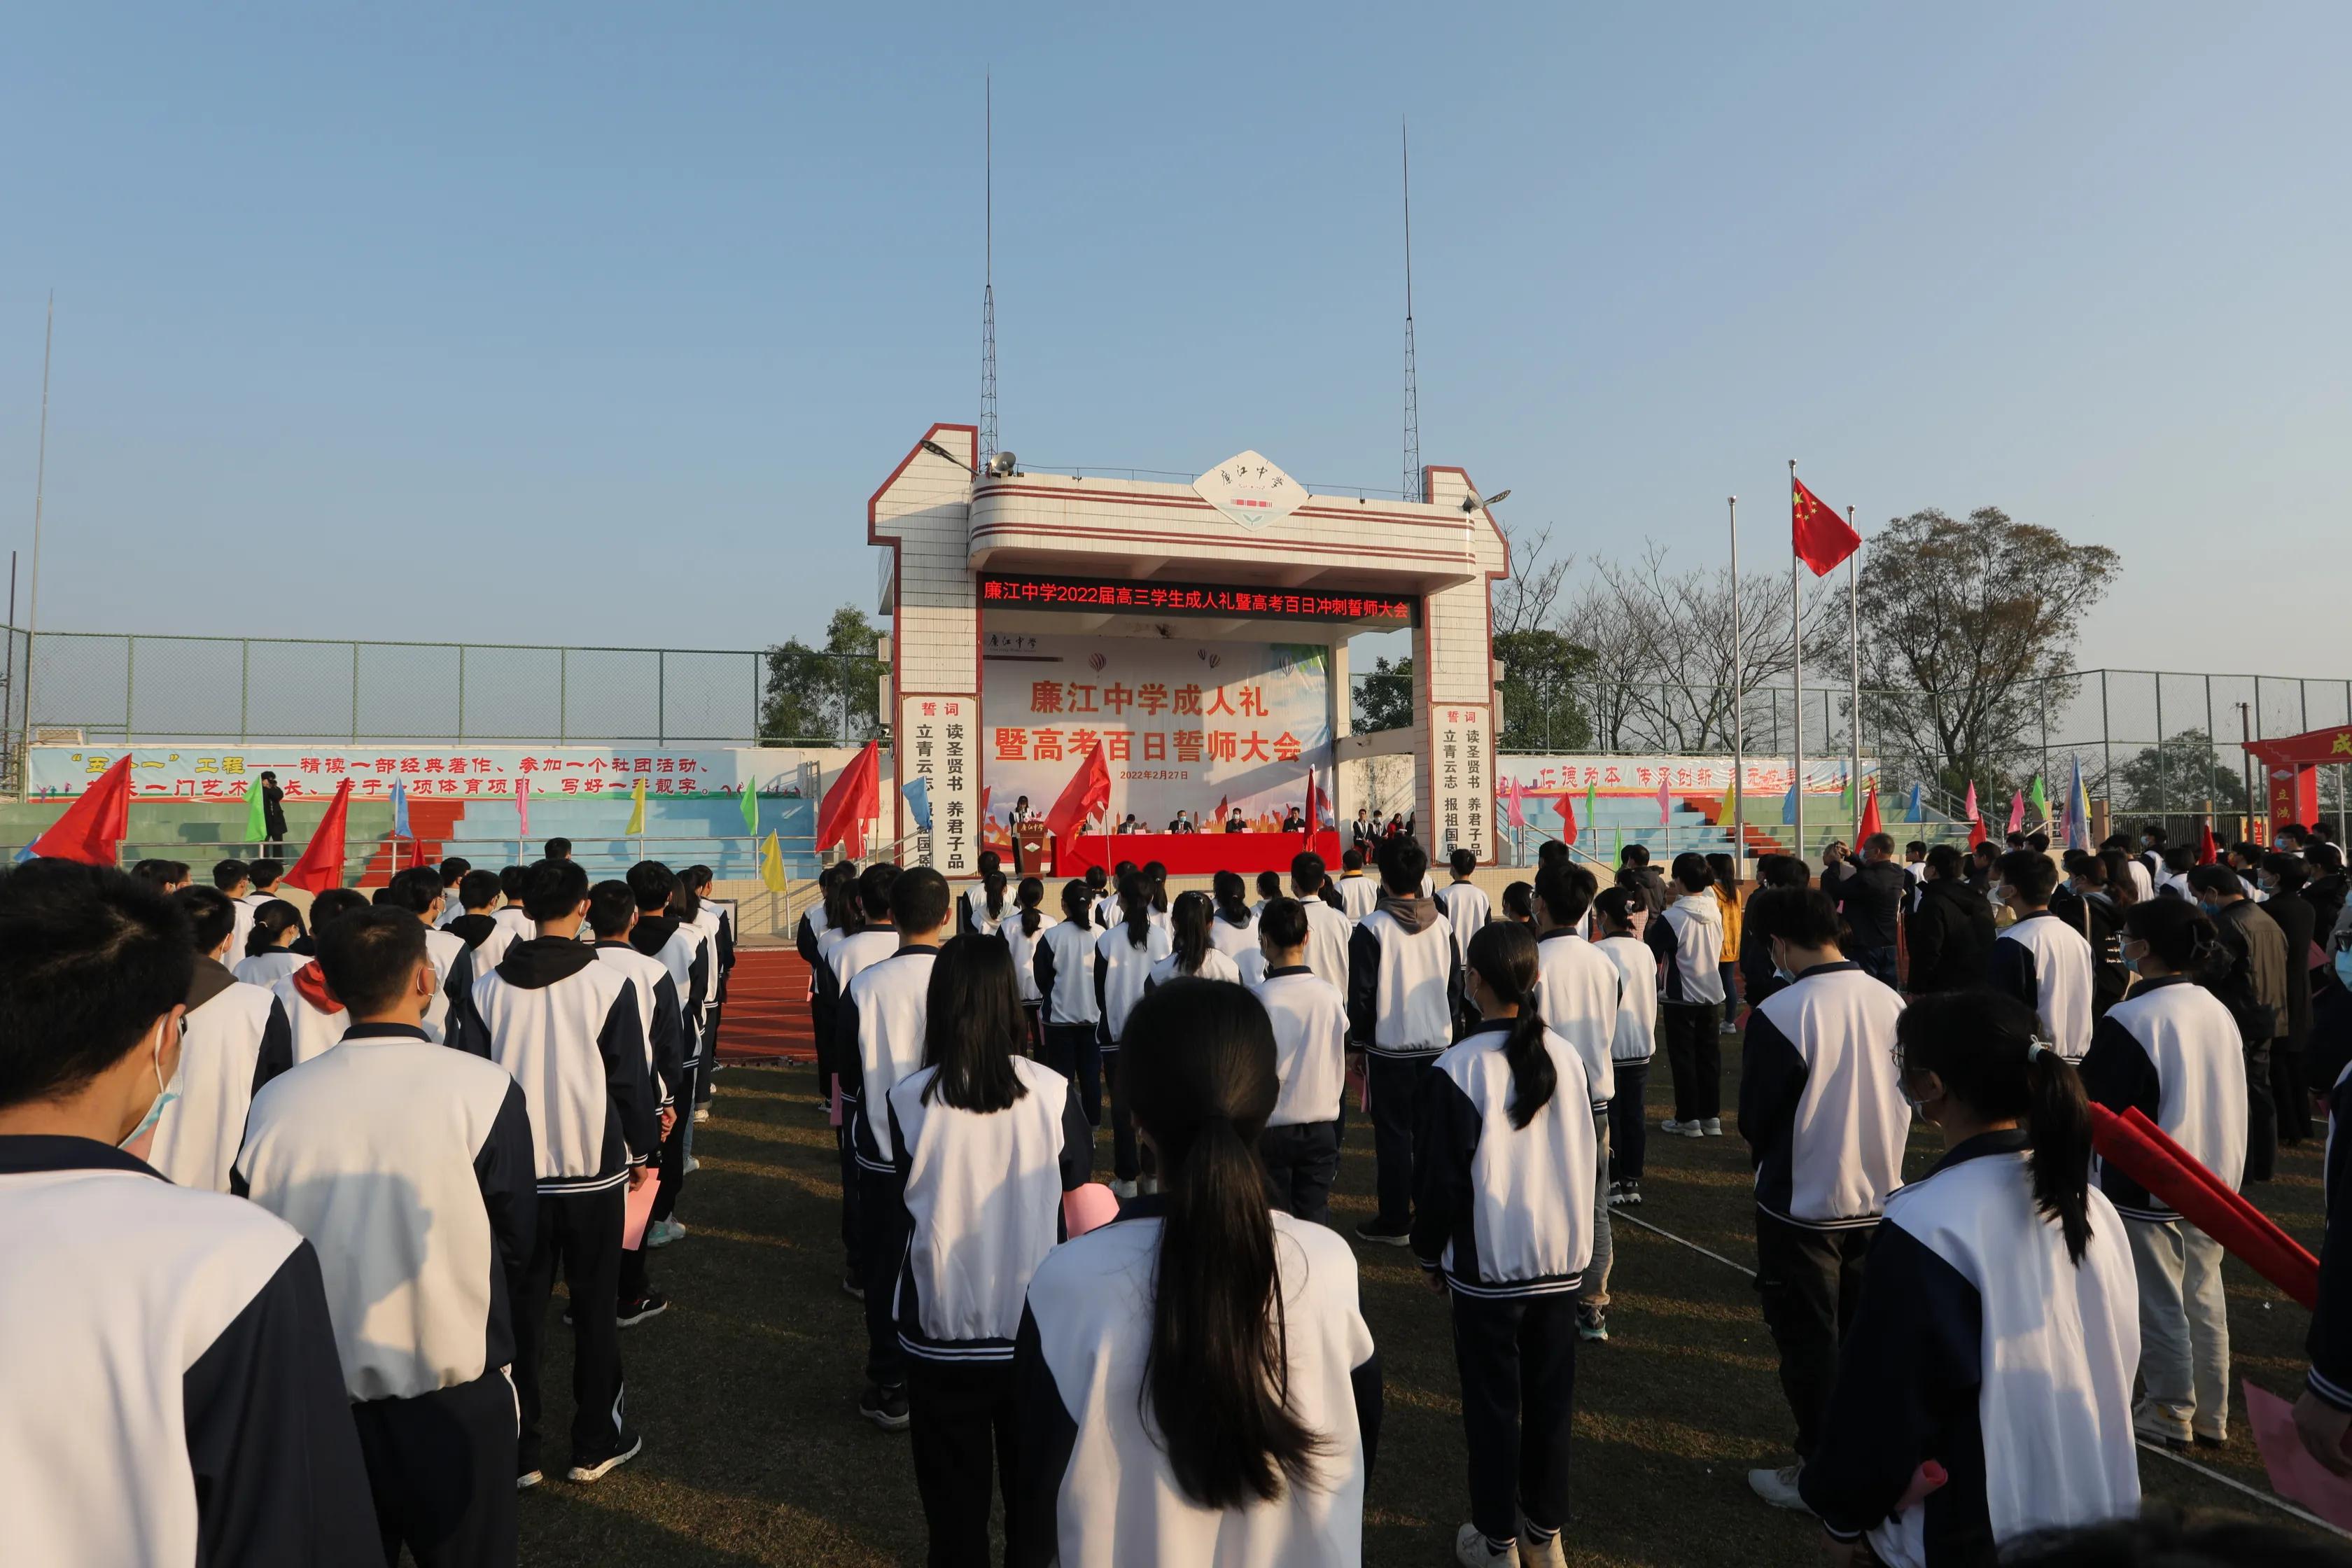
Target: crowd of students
(321,1337)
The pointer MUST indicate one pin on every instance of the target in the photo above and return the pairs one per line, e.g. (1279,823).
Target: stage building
(1196,634)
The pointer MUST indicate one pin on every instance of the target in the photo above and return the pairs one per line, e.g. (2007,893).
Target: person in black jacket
(1952,929)
(2285,876)
(1870,902)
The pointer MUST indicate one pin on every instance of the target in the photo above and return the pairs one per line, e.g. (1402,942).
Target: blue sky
(589,324)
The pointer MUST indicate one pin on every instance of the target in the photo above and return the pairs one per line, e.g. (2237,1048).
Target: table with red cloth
(1196,854)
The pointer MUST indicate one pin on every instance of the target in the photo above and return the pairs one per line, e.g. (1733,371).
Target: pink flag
(522,806)
(2017,812)
(1968,812)
(1514,806)
(1665,805)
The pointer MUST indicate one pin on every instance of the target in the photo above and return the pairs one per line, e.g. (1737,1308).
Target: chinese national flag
(1820,537)
(1086,794)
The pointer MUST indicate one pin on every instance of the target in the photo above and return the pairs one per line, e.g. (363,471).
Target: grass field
(746,1390)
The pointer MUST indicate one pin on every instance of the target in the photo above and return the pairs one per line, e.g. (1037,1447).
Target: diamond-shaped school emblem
(1250,490)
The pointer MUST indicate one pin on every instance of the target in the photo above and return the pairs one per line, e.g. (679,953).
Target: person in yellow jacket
(1726,897)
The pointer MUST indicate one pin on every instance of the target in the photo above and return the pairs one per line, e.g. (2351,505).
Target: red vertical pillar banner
(2293,795)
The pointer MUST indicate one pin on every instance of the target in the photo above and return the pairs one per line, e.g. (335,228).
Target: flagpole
(1853,632)
(1797,670)
(33,611)
(1738,707)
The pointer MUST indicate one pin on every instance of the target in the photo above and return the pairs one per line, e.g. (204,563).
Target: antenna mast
(1412,482)
(988,275)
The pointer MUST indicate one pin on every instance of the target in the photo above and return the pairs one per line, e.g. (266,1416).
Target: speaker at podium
(1033,849)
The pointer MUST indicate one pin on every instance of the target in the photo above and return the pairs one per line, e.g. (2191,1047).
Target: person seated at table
(1129,825)
(1233,823)
(1294,821)
(1184,823)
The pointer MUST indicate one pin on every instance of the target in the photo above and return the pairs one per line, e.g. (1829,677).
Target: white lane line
(2162,1452)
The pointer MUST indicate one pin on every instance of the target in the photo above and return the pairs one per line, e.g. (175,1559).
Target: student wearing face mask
(2171,1050)
(2038,958)
(169,1385)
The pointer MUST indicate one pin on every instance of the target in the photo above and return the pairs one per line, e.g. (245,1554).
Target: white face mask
(164,1094)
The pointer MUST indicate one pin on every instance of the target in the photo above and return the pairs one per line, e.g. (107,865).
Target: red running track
(767,1016)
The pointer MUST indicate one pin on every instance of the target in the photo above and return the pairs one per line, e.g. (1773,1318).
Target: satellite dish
(1001,466)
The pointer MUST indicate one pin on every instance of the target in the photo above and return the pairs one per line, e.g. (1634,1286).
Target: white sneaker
(1681,1130)
(1536,1553)
(2158,1425)
(1712,1127)
(662,1232)
(1471,1551)
(691,1165)
(1779,1487)
(1122,1190)
(701,1114)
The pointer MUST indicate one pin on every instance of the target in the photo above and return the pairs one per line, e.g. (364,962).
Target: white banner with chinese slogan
(308,771)
(1183,725)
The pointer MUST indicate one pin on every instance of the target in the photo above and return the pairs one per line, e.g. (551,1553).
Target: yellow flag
(636,811)
(771,865)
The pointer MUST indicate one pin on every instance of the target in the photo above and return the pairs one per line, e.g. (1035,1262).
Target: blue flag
(400,811)
(1918,807)
(1789,806)
(2078,812)
(919,800)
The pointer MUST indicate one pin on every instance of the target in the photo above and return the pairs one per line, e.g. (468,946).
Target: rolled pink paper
(1924,1480)
(1084,1208)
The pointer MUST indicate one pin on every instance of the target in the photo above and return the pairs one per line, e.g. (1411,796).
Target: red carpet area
(767,1016)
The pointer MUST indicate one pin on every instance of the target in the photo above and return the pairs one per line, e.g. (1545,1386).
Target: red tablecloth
(1197,854)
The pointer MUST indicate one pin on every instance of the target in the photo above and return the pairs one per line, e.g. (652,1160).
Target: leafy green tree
(2179,775)
(828,694)
(1384,701)
(1541,710)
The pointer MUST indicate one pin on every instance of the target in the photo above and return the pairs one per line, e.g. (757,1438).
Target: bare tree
(1523,601)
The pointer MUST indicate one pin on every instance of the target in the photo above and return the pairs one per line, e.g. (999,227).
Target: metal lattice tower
(988,279)
(1413,483)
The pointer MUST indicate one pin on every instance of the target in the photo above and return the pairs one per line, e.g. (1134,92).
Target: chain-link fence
(2153,744)
(107,688)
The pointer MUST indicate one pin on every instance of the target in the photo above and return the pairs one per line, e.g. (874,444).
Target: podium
(1032,851)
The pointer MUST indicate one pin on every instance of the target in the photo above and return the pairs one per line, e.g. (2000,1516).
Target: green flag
(257,820)
(749,802)
(1621,844)
(2038,799)
(1592,809)
(1845,790)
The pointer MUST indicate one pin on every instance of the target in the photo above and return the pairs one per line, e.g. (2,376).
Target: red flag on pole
(2142,1151)
(2208,851)
(1086,794)
(855,799)
(322,866)
(1566,806)
(1820,537)
(93,825)
(1976,817)
(1314,802)
(1870,823)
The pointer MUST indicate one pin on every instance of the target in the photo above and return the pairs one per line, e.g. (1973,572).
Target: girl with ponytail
(1021,932)
(1505,1164)
(1191,954)
(987,919)
(1234,930)
(2004,1243)
(1062,973)
(1124,959)
(1205,1354)
(270,956)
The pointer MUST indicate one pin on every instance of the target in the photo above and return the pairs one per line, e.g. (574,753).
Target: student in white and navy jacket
(1999,1331)
(1618,917)
(973,916)
(1125,955)
(1404,991)
(233,1039)
(2038,959)
(313,1015)
(1192,954)
(270,951)
(1062,972)
(418,890)
(475,923)
(233,880)
(861,937)
(1821,1107)
(986,1142)
(808,941)
(1233,926)
(1300,1145)
(1505,1166)
(2172,1049)
(683,948)
(565,1026)
(702,991)
(1135,1447)
(410,1168)
(1687,937)
(1466,907)
(1024,932)
(716,919)
(612,915)
(169,1390)
(881,1029)
(1583,999)
(1328,929)
(1359,894)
